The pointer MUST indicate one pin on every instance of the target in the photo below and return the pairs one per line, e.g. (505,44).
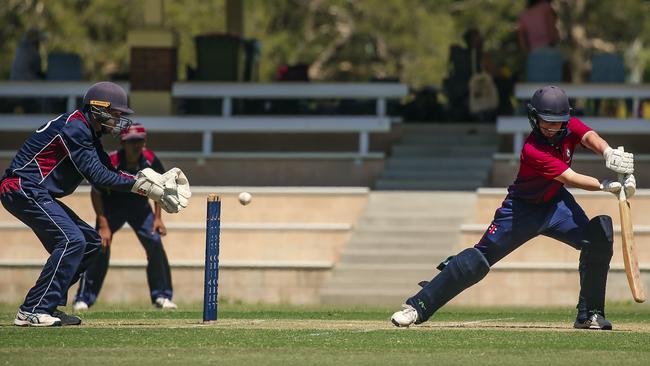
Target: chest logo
(568,155)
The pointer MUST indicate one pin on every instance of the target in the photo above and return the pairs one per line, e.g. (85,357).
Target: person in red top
(536,26)
(538,204)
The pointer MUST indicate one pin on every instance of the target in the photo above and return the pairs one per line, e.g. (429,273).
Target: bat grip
(621,179)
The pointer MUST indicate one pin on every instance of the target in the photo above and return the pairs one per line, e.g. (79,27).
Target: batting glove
(611,186)
(619,161)
(630,185)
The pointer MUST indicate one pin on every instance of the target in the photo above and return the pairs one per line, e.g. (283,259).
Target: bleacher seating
(63,66)
(544,65)
(607,68)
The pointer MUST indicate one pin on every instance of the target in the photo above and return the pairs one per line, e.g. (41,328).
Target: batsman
(537,203)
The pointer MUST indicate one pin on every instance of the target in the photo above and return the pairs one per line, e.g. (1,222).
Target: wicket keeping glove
(619,161)
(182,185)
(163,188)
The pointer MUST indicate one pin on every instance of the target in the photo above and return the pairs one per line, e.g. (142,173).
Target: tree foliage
(339,39)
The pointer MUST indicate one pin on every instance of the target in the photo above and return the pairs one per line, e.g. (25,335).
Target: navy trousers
(158,272)
(516,222)
(71,242)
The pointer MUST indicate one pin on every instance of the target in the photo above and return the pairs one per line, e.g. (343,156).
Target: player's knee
(470,265)
(599,238)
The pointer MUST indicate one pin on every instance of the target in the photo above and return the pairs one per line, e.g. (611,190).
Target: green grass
(310,335)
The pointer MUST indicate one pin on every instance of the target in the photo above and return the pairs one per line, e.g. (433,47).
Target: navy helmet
(551,104)
(103,97)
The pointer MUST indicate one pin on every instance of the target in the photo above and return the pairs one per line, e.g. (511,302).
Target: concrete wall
(278,249)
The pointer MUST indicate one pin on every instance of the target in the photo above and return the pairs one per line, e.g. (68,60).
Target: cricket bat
(629,248)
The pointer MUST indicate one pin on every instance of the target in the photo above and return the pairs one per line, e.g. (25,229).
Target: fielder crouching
(538,204)
(52,162)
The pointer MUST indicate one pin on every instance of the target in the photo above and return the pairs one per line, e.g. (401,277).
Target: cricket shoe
(595,320)
(405,317)
(67,319)
(27,319)
(165,304)
(79,306)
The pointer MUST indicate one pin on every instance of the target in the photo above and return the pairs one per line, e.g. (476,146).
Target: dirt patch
(358,325)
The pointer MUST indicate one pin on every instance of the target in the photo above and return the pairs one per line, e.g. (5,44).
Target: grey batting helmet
(551,104)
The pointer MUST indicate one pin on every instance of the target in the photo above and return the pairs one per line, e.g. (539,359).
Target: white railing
(524,91)
(226,122)
(71,90)
(519,127)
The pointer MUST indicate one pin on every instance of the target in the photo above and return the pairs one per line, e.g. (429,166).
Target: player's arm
(619,161)
(89,164)
(104,228)
(592,141)
(570,178)
(158,224)
(577,180)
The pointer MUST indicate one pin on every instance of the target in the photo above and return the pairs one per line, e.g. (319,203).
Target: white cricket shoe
(165,304)
(405,317)
(79,306)
(27,319)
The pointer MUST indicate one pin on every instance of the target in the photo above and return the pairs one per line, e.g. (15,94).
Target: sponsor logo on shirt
(568,155)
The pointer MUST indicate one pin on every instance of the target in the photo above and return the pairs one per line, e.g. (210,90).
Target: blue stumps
(212,230)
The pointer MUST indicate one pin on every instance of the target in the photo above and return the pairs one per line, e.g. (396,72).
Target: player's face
(133,148)
(550,129)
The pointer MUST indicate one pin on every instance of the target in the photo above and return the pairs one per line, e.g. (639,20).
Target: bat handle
(621,179)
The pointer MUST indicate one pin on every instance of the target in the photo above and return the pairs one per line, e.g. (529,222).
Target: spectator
(536,26)
(27,60)
(113,210)
(464,63)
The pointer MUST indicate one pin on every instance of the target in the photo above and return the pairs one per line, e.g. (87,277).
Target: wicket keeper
(52,162)
(538,204)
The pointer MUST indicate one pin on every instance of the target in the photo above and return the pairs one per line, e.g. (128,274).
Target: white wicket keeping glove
(182,185)
(160,188)
(619,161)
(629,185)
(611,186)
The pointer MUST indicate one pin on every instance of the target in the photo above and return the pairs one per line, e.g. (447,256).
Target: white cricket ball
(245,198)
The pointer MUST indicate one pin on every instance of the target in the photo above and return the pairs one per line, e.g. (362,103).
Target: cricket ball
(245,198)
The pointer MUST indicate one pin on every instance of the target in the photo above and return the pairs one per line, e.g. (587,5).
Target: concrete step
(240,244)
(421,184)
(449,129)
(447,246)
(470,174)
(453,151)
(268,205)
(392,256)
(381,271)
(416,223)
(439,163)
(388,235)
(449,140)
(360,297)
